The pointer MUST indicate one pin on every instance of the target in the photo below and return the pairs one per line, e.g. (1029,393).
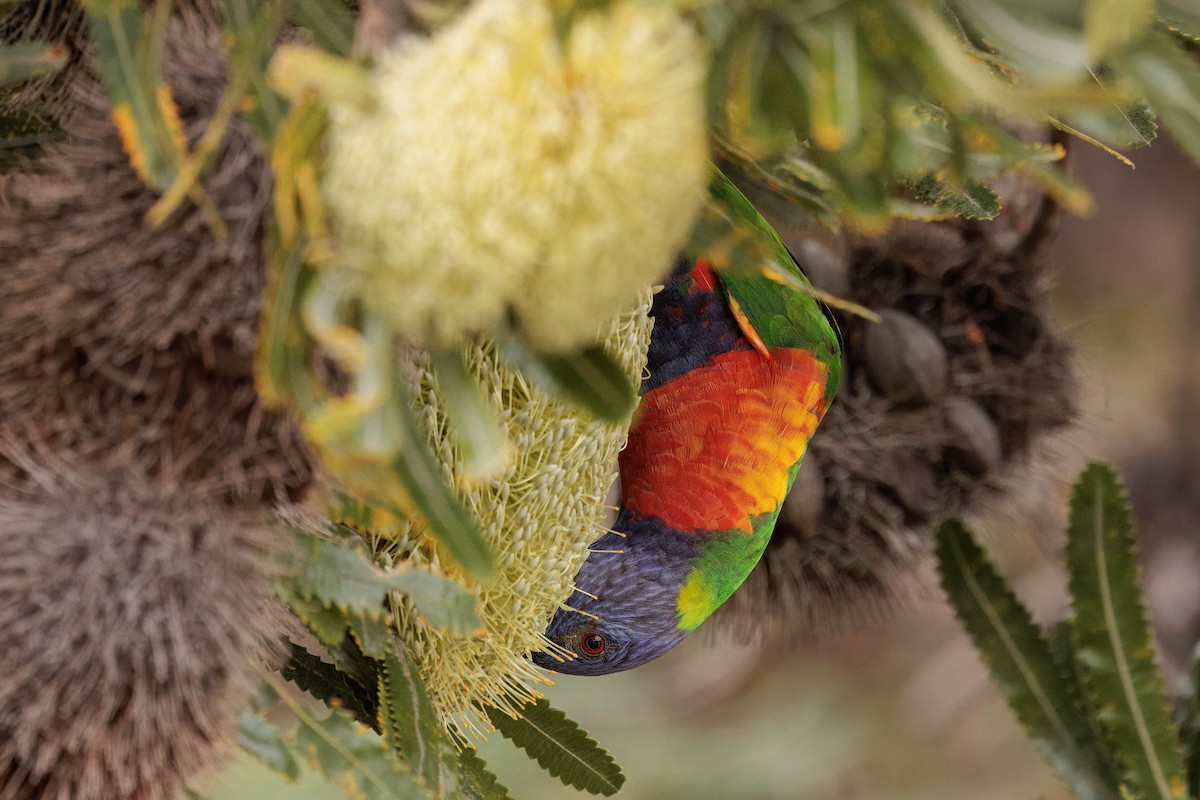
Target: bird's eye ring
(592,644)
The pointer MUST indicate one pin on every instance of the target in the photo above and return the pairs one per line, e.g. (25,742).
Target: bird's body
(741,370)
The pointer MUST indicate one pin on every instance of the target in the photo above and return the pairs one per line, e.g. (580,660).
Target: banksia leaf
(327,683)
(1113,640)
(329,21)
(328,623)
(971,201)
(342,576)
(443,512)
(1169,76)
(129,49)
(474,426)
(354,758)
(1111,25)
(252,32)
(260,739)
(590,378)
(1189,728)
(560,747)
(19,62)
(1062,647)
(475,781)
(411,726)
(1019,660)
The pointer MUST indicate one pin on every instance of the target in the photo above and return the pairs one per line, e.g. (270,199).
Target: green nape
(724,561)
(783,315)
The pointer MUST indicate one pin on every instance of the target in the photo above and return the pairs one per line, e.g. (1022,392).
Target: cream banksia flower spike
(500,167)
(538,519)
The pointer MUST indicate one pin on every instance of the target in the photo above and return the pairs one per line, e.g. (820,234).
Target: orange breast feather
(714,447)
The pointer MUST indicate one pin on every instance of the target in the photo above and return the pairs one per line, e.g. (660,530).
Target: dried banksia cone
(951,391)
(130,628)
(538,517)
(133,605)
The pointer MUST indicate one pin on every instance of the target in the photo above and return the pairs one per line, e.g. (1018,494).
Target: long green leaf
(1113,640)
(560,747)
(411,726)
(353,757)
(423,481)
(1170,77)
(260,739)
(128,47)
(342,576)
(330,22)
(1019,660)
(1189,728)
(326,682)
(20,62)
(252,33)
(590,379)
(474,424)
(475,781)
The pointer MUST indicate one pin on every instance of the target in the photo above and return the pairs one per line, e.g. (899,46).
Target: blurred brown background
(904,709)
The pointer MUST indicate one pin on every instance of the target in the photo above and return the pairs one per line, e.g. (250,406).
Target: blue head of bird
(625,611)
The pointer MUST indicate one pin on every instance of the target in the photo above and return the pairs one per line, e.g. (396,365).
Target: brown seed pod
(905,359)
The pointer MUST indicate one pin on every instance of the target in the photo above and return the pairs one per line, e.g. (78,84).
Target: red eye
(592,644)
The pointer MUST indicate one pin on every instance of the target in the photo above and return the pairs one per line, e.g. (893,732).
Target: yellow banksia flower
(538,517)
(501,167)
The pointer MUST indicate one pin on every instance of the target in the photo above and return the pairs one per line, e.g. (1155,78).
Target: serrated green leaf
(20,62)
(341,575)
(447,518)
(330,22)
(560,747)
(1062,647)
(971,201)
(474,780)
(590,378)
(327,622)
(1019,660)
(412,728)
(1170,78)
(260,739)
(355,759)
(373,635)
(1189,728)
(474,424)
(1113,640)
(331,685)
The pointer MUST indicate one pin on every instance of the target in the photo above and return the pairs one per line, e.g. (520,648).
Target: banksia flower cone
(538,518)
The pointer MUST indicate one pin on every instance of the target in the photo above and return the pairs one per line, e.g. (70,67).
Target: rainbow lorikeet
(741,369)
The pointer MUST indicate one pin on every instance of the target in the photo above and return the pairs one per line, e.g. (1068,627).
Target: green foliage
(474,780)
(560,747)
(341,576)
(411,727)
(260,739)
(355,758)
(20,62)
(1090,697)
(590,378)
(334,687)
(1044,698)
(1112,639)
(129,47)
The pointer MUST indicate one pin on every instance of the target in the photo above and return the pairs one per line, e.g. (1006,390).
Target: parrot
(741,368)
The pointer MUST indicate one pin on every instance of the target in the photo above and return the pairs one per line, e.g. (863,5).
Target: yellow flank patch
(696,601)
